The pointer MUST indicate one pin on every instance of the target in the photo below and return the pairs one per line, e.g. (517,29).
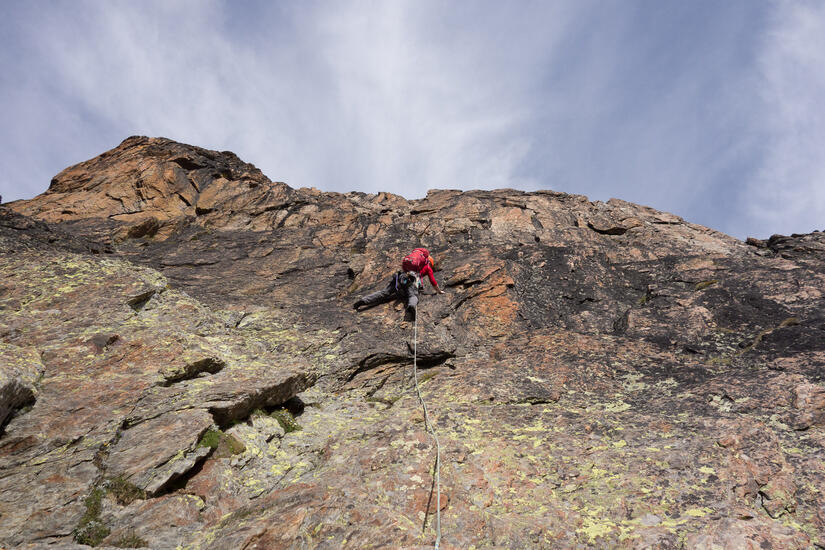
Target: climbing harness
(430,429)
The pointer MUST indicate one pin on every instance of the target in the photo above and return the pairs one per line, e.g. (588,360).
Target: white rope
(430,429)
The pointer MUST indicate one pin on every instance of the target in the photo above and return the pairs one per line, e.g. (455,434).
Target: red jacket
(418,261)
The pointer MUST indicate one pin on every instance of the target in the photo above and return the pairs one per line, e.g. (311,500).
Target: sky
(710,110)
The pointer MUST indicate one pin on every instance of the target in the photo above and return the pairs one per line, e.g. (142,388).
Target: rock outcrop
(182,367)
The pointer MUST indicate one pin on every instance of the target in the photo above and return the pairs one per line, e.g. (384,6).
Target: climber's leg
(412,295)
(379,297)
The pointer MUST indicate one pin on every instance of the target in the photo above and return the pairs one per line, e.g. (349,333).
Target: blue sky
(711,110)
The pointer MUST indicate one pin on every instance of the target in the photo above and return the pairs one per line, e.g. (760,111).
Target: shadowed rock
(20,370)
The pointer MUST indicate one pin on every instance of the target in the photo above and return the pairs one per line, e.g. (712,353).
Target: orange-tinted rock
(810,402)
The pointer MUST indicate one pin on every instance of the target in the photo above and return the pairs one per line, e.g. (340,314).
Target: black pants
(394,290)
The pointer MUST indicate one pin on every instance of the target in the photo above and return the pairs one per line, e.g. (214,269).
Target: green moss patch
(225,445)
(124,491)
(91,530)
(130,540)
(211,439)
(286,420)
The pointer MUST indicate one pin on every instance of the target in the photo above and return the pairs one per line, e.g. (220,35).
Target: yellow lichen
(618,406)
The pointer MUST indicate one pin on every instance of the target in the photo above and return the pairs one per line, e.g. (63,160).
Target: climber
(419,261)
(405,284)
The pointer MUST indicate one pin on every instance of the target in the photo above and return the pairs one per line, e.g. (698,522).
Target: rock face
(187,369)
(18,379)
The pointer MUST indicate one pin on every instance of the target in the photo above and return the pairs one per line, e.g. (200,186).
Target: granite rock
(600,374)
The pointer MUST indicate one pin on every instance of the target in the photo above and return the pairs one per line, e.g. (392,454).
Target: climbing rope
(430,429)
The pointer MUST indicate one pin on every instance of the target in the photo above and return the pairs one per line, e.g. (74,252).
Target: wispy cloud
(688,107)
(788,193)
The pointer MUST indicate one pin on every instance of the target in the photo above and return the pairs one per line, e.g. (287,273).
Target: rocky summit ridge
(181,367)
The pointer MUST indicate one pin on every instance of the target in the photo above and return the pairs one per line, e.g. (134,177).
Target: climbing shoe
(410,314)
(358,304)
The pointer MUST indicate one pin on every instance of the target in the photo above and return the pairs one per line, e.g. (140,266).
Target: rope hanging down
(430,429)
